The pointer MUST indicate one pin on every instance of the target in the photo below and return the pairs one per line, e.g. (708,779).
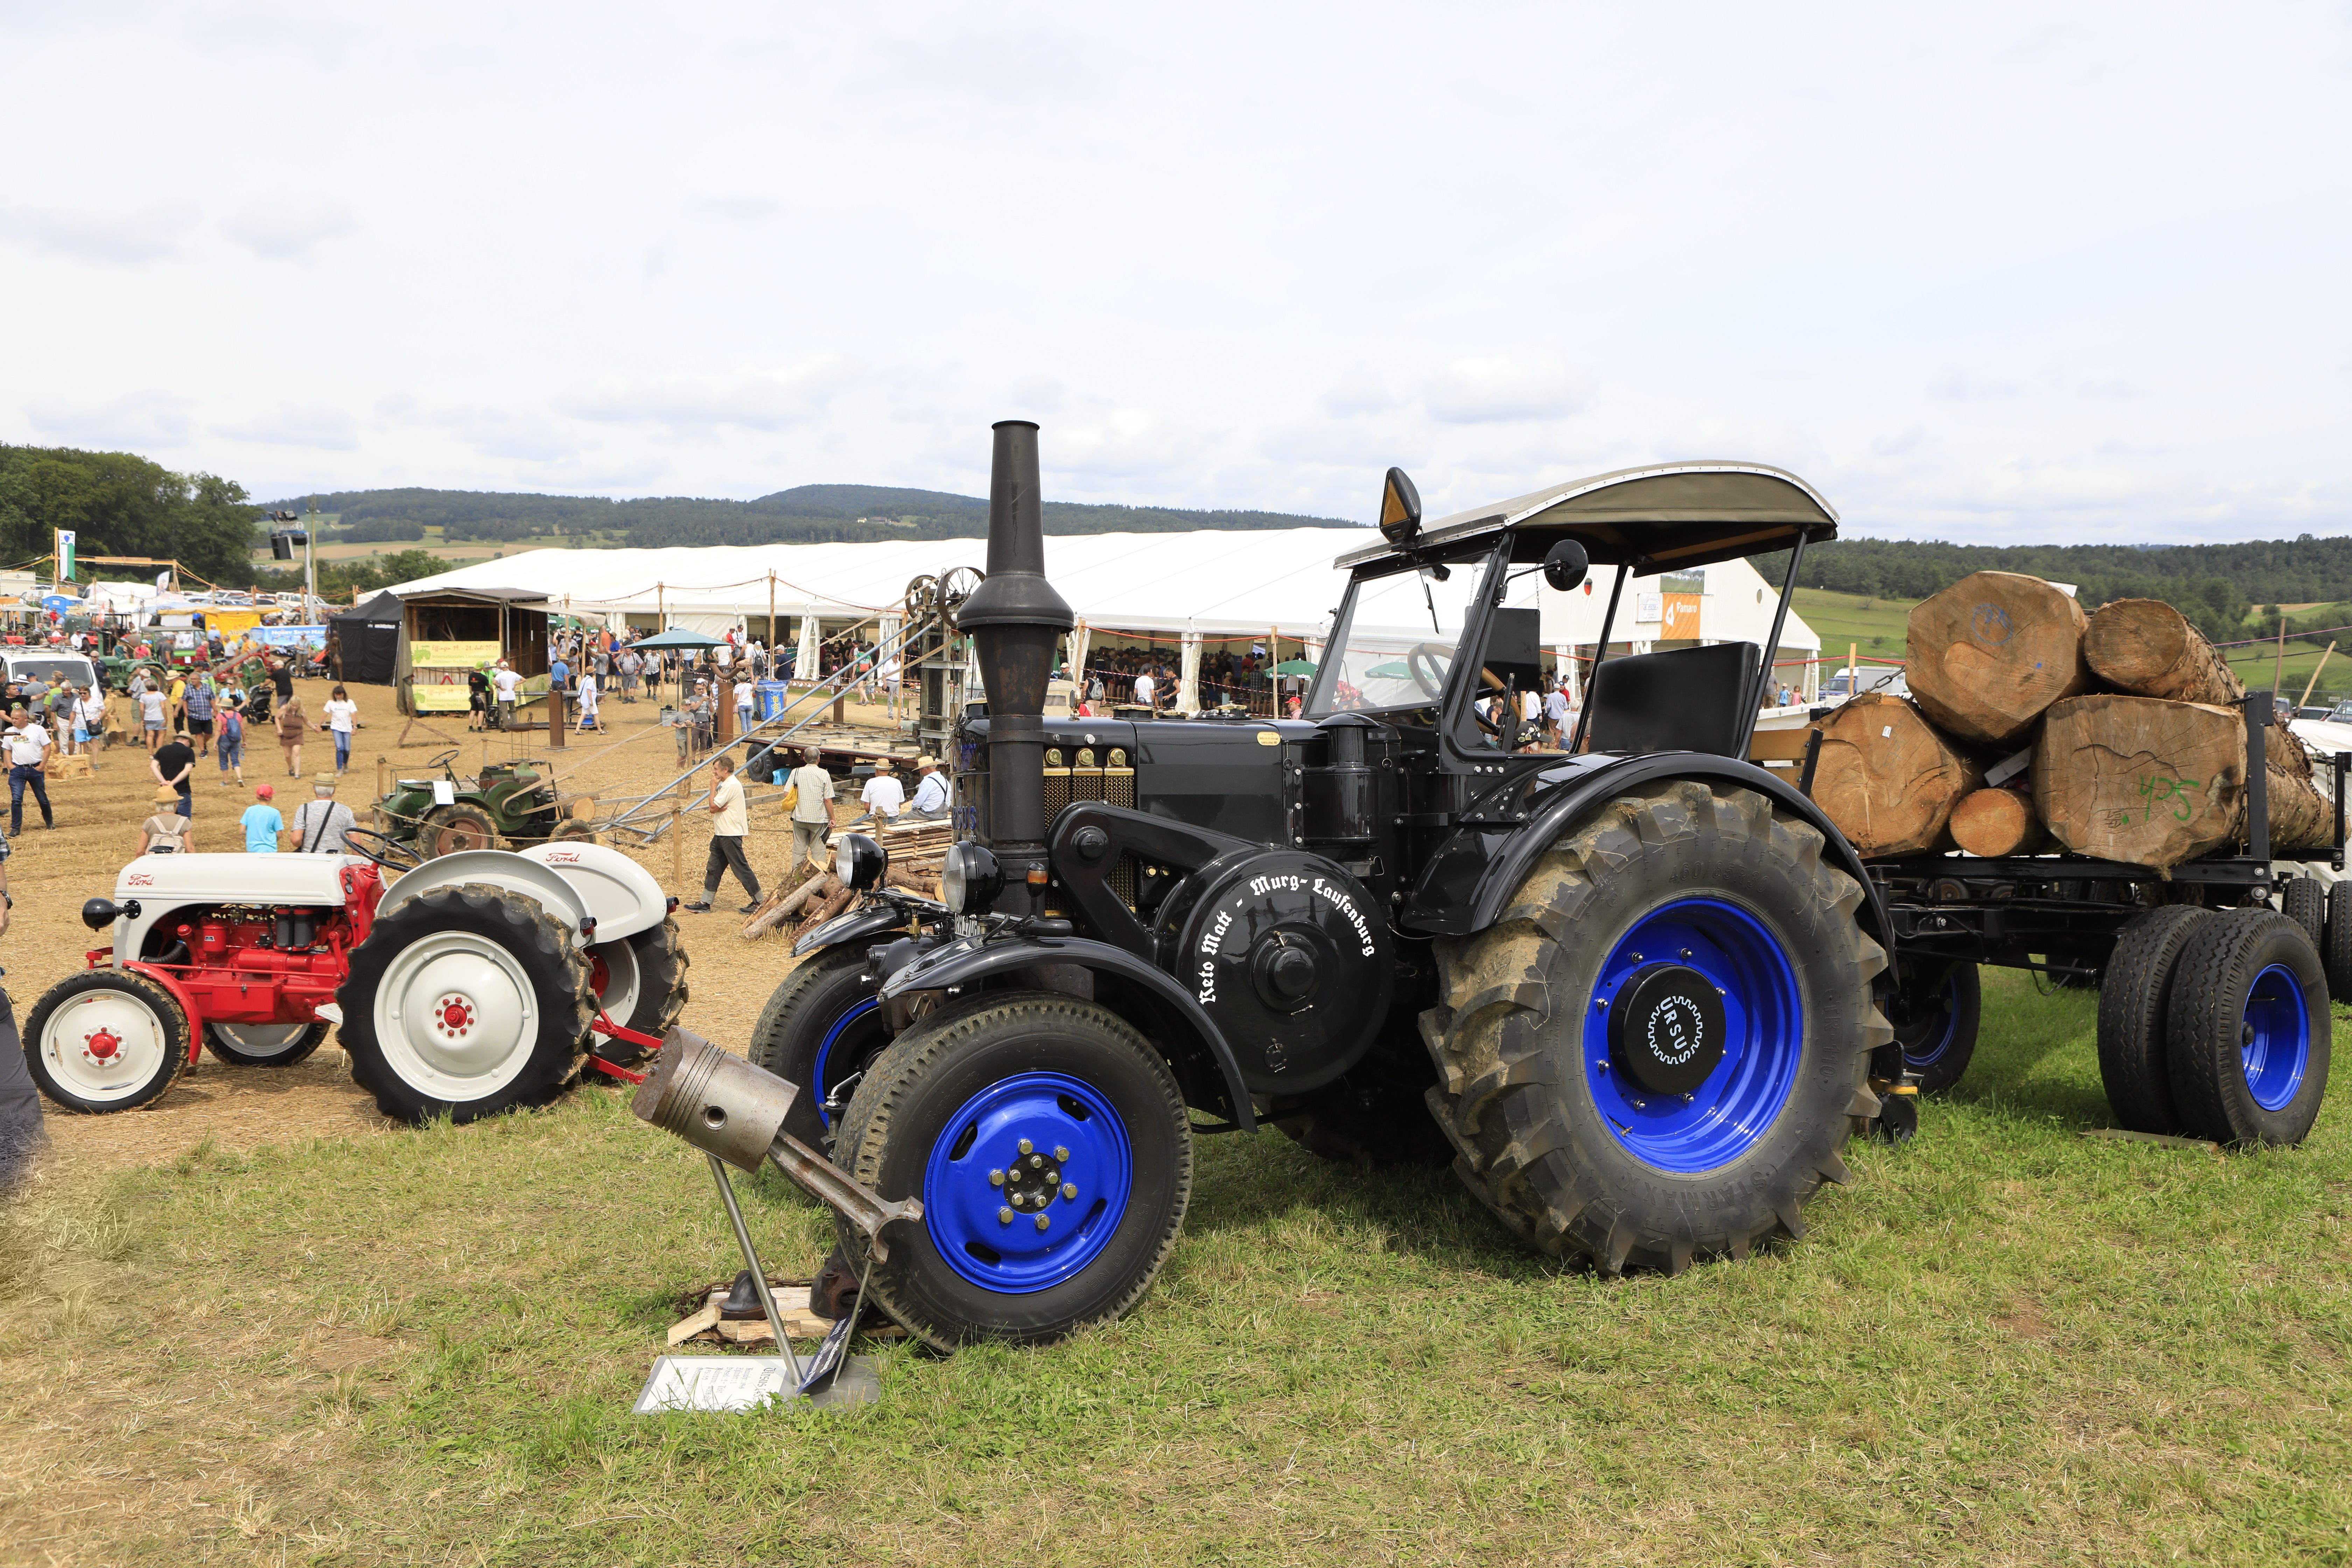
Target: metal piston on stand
(734,1112)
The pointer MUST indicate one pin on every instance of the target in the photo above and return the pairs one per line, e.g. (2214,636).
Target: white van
(51,665)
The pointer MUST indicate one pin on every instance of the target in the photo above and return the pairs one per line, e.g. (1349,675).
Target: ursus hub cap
(1027,1182)
(2275,1042)
(1692,1041)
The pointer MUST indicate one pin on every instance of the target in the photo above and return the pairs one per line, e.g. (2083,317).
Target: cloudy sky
(1987,273)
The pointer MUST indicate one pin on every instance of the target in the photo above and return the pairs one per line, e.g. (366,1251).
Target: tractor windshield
(1395,639)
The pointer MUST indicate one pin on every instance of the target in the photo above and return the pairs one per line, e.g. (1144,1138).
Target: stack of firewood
(2031,726)
(812,895)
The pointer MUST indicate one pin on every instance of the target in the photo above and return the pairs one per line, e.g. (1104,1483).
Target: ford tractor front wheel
(106,1040)
(1050,1147)
(1652,1055)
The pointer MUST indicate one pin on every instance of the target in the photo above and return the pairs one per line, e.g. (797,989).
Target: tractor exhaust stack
(1015,619)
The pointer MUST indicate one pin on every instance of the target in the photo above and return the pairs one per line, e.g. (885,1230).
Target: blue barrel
(768,698)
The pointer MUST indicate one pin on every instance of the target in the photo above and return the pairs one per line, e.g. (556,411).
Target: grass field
(2004,1344)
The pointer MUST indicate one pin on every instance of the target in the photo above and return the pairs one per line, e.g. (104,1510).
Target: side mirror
(1565,564)
(1400,508)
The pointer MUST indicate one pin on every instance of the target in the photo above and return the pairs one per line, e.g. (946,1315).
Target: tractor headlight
(858,861)
(968,879)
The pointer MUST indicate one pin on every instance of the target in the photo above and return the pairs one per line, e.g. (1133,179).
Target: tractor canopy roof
(1661,517)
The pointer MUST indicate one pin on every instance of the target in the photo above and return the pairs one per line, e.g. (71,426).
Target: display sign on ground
(289,636)
(452,655)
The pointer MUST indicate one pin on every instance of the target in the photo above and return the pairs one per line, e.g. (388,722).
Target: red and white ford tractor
(469,984)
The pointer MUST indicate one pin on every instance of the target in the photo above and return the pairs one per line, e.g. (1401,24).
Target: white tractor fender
(620,894)
(502,870)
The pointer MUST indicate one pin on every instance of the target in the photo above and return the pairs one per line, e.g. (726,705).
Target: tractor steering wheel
(390,853)
(1431,680)
(442,761)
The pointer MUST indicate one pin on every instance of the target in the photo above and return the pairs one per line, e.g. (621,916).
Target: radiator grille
(1111,786)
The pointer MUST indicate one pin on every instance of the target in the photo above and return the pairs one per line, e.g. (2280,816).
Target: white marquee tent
(1187,587)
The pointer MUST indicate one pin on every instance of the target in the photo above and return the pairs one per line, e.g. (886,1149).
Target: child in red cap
(262,823)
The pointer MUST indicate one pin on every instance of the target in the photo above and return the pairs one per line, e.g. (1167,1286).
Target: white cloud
(1125,443)
(136,422)
(995,65)
(1957,386)
(752,399)
(1482,390)
(147,233)
(312,423)
(284,225)
(740,209)
(1360,390)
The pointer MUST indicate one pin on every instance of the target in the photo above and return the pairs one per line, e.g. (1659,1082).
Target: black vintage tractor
(1631,989)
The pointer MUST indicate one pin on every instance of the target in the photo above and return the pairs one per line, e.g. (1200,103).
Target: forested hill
(2215,584)
(807,514)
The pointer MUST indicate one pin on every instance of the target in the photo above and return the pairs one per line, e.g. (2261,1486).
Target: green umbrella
(1392,670)
(1294,667)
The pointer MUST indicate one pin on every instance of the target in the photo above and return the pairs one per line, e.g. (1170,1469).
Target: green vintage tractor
(506,804)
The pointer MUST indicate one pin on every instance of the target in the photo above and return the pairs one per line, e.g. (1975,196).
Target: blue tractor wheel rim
(2274,1050)
(818,1082)
(1922,1054)
(1035,1145)
(1726,1115)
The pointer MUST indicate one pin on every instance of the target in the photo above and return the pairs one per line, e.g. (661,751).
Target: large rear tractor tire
(820,1031)
(1051,1149)
(2132,1008)
(448,830)
(1653,1054)
(106,1040)
(265,1045)
(1936,1014)
(465,1002)
(2247,1032)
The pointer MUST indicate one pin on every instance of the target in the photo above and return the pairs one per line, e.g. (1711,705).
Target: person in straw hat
(166,832)
(884,795)
(931,790)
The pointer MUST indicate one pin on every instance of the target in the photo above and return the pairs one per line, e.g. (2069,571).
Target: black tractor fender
(1468,882)
(1148,997)
(854,925)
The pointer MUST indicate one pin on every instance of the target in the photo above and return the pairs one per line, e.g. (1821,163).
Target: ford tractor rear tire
(106,1040)
(1050,1147)
(1653,1054)
(640,984)
(264,1045)
(819,1032)
(465,1002)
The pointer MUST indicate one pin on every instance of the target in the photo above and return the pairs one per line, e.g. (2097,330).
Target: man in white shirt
(730,820)
(890,681)
(28,753)
(931,790)
(883,795)
(319,824)
(1144,689)
(588,695)
(510,686)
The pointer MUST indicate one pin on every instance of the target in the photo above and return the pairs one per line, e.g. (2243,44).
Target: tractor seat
(1685,700)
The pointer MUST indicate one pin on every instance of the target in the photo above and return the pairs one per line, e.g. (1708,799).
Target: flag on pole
(65,554)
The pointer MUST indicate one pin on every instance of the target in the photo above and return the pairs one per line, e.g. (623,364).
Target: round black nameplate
(1665,1028)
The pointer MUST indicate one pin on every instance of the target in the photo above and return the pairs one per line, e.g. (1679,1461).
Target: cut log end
(1990,822)
(1991,653)
(2148,648)
(1886,778)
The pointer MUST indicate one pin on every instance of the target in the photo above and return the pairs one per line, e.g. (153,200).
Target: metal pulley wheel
(955,587)
(1292,958)
(922,601)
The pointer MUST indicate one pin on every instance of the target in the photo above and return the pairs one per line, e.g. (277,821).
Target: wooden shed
(451,632)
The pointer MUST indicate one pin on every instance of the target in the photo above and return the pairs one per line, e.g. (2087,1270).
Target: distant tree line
(2215,585)
(117,503)
(807,514)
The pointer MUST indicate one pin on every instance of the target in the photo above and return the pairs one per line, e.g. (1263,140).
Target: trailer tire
(2305,901)
(2133,1005)
(821,1028)
(512,973)
(1764,943)
(265,1045)
(1936,1017)
(151,1037)
(2337,951)
(2247,1031)
(1079,1089)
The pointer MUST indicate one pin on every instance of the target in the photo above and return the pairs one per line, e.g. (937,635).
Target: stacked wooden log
(2031,726)
(812,895)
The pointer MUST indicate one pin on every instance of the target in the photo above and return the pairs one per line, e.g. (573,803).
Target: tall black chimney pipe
(1014,619)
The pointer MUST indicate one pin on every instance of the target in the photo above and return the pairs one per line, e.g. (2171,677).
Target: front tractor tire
(1653,1054)
(465,1002)
(1050,1147)
(106,1040)
(820,1031)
